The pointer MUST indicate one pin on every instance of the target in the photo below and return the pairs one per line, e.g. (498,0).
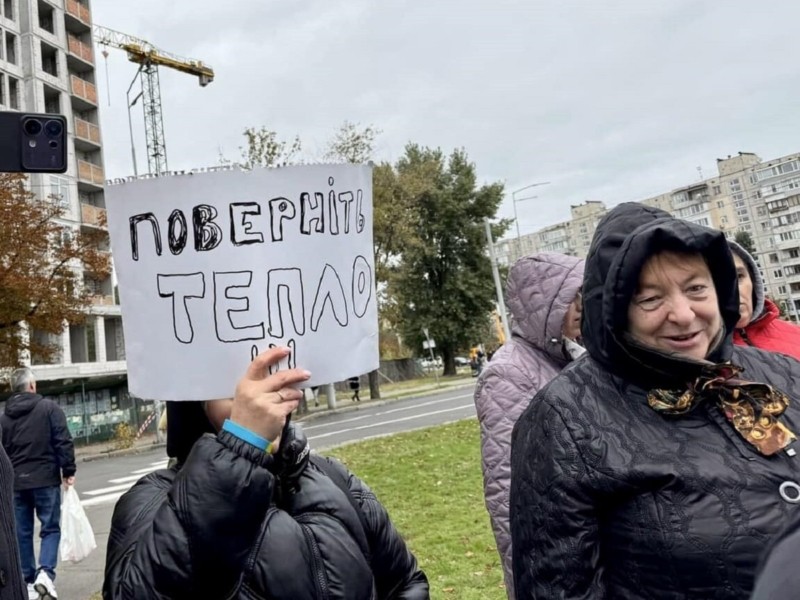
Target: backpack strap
(339,477)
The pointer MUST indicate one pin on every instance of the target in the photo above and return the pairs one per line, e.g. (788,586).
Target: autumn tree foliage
(42,265)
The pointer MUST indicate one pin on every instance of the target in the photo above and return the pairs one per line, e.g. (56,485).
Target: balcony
(93,216)
(90,176)
(84,93)
(101,300)
(80,57)
(78,18)
(87,136)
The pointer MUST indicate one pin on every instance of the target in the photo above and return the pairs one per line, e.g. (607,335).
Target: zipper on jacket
(743,334)
(322,584)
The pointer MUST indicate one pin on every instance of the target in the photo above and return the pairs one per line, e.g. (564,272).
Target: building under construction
(47,64)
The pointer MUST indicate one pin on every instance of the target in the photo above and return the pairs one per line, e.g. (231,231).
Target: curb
(304,419)
(382,402)
(116,453)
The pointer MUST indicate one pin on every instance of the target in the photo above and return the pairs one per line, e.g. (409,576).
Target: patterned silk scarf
(752,408)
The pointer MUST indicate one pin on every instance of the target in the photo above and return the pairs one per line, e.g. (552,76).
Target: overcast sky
(615,100)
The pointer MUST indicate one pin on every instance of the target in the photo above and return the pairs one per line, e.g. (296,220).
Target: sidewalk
(343,405)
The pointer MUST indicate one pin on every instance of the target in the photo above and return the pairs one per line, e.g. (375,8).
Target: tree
(745,240)
(352,144)
(443,279)
(42,262)
(264,149)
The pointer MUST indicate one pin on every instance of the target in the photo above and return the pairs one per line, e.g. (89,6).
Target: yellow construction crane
(149,58)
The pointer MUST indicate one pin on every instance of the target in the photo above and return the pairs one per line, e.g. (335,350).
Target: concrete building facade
(761,198)
(47,64)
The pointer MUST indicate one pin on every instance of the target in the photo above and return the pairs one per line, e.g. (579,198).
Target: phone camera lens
(53,128)
(32,127)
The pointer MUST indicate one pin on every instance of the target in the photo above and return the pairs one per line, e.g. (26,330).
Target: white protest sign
(213,267)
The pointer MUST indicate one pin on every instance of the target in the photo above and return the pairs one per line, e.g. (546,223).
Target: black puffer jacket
(37,440)
(234,522)
(610,499)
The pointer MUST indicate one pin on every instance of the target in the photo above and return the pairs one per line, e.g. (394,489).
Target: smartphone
(33,143)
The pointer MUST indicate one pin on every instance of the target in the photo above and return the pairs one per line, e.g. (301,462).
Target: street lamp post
(130,122)
(515,200)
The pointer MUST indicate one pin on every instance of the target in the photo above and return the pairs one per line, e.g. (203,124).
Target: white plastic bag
(77,537)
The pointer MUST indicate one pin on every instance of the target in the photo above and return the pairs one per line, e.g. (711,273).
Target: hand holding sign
(262,401)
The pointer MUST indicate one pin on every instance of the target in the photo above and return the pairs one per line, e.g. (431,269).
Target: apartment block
(748,194)
(47,64)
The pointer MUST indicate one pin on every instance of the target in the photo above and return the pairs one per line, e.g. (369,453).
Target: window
(720,204)
(761,211)
(8,9)
(13,93)
(717,190)
(46,17)
(773,258)
(724,220)
(764,225)
(11,48)
(781,289)
(2,89)
(59,188)
(49,60)
(777,274)
(734,185)
(782,169)
(793,253)
(679,197)
(704,222)
(52,100)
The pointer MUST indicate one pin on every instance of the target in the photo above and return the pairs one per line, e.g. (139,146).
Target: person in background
(543,294)
(39,445)
(759,323)
(653,467)
(250,512)
(354,383)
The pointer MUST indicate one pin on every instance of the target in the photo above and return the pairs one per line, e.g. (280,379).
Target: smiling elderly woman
(660,465)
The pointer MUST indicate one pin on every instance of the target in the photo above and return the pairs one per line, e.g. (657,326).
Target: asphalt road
(100,483)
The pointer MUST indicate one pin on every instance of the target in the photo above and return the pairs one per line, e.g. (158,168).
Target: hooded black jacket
(37,440)
(234,522)
(610,499)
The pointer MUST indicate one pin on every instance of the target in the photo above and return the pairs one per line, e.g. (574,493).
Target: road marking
(125,479)
(115,488)
(402,419)
(386,412)
(102,499)
(148,469)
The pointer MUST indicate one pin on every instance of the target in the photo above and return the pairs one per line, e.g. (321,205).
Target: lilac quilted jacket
(539,290)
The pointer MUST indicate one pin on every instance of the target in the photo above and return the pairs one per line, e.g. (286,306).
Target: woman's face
(572,320)
(745,292)
(675,307)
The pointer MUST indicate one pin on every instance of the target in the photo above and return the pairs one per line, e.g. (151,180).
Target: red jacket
(768,332)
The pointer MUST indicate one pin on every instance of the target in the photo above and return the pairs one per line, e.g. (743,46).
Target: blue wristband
(244,434)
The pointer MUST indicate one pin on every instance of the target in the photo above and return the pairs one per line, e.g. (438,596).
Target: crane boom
(149,58)
(143,52)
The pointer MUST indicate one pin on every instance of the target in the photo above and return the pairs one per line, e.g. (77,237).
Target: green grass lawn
(430,482)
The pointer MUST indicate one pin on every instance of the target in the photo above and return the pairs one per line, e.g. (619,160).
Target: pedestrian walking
(654,466)
(543,292)
(759,323)
(39,445)
(250,512)
(354,383)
